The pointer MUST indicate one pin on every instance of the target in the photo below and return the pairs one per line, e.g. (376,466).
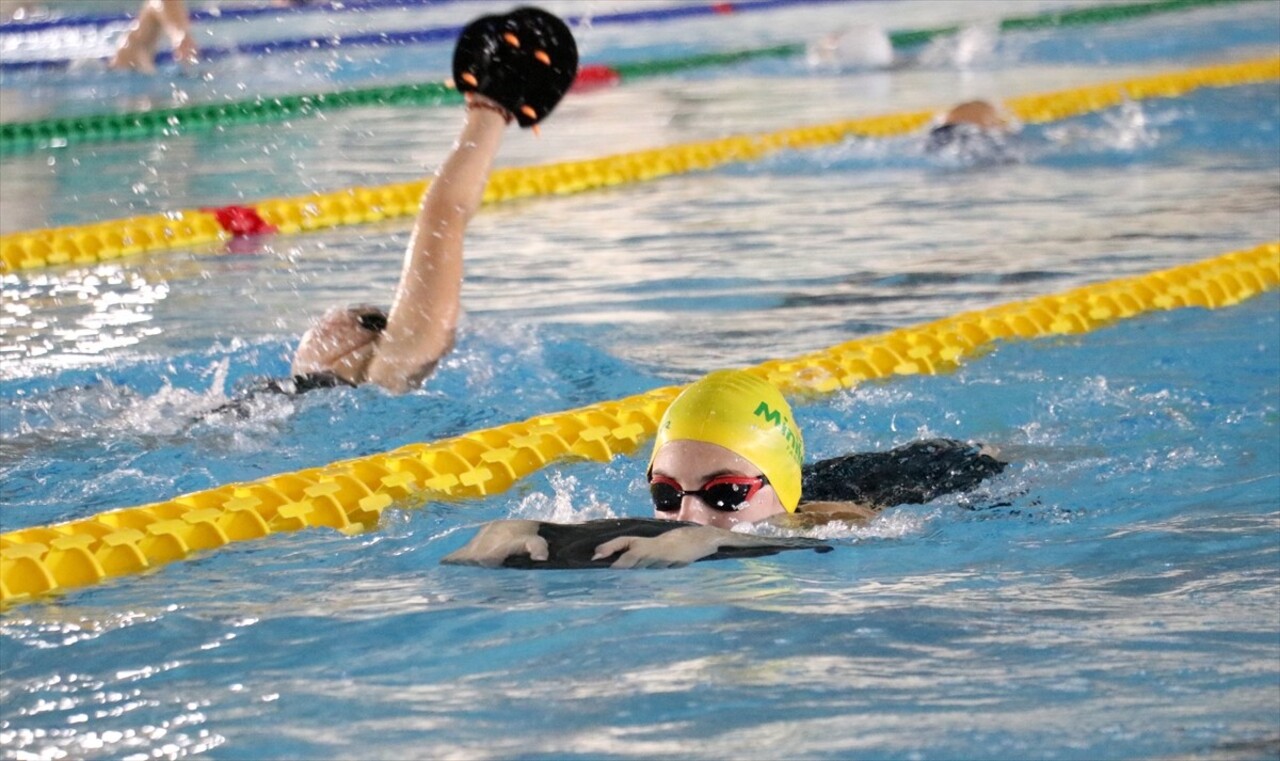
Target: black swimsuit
(911,474)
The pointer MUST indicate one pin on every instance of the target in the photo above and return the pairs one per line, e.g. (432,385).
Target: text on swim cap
(784,425)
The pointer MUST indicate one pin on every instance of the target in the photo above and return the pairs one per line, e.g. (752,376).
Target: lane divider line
(102,241)
(200,118)
(432,34)
(350,495)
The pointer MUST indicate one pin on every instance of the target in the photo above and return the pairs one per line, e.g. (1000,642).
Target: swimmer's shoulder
(813,514)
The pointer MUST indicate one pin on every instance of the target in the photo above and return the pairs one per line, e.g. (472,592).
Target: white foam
(859,46)
(889,524)
(973,45)
(560,506)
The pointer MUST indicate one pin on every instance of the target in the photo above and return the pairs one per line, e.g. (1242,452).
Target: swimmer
(21,10)
(514,67)
(728,453)
(137,50)
(973,127)
(16,10)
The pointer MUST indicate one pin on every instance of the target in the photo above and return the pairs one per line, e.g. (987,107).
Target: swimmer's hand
(185,50)
(499,540)
(676,548)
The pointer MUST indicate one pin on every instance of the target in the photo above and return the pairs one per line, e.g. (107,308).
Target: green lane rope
(1101,14)
(22,137)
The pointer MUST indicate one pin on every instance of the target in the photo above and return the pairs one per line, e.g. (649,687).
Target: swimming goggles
(372,321)
(724,493)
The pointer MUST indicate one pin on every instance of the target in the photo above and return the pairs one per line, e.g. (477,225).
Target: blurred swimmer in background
(137,51)
(975,132)
(170,18)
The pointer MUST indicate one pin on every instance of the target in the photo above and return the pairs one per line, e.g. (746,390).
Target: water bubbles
(1130,128)
(913,423)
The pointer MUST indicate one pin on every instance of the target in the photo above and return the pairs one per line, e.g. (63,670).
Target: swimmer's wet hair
(368,316)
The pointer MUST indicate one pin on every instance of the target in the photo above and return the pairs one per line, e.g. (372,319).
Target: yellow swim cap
(745,415)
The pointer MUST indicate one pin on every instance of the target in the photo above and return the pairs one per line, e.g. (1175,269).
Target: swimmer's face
(341,342)
(692,464)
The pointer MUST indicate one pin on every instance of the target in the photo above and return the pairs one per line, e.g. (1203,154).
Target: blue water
(1114,594)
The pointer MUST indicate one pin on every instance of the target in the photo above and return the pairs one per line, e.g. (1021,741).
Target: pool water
(1114,594)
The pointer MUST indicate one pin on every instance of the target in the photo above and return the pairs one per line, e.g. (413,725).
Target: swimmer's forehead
(658,470)
(703,460)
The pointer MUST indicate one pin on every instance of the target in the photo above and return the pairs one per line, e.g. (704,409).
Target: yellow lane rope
(350,495)
(86,244)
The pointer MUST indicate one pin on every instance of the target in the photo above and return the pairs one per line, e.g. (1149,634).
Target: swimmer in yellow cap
(728,452)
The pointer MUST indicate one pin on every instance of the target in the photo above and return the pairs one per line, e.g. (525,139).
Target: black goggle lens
(727,497)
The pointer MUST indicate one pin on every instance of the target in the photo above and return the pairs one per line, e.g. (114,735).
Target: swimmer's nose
(690,509)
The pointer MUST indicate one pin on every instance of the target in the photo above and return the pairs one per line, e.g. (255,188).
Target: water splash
(889,524)
(861,46)
(1127,129)
(974,45)
(564,505)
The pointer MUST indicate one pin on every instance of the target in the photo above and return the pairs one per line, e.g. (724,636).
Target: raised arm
(513,67)
(424,312)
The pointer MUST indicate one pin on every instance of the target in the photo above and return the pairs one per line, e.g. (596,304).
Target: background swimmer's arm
(424,313)
(138,48)
(499,540)
(675,548)
(177,24)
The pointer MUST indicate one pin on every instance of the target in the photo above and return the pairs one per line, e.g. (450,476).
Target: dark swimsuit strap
(294,386)
(301,384)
